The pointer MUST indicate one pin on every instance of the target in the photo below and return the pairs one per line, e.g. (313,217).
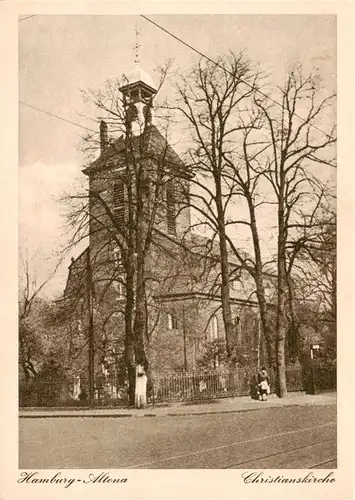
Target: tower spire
(137,45)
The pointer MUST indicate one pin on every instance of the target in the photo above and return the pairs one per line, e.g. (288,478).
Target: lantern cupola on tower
(138,94)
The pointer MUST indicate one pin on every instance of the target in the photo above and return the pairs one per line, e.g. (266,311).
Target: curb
(170,414)
(65,415)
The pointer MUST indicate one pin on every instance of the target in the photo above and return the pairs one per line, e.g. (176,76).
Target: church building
(139,191)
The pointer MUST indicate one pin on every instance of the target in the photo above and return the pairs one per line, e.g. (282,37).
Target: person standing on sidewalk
(141,387)
(263,384)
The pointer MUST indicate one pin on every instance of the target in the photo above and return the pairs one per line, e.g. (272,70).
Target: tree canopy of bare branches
(262,151)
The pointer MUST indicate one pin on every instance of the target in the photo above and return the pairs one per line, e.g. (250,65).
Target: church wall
(195,322)
(99,221)
(194,326)
(171,274)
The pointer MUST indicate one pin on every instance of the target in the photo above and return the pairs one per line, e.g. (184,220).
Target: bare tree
(248,146)
(213,98)
(245,173)
(124,206)
(313,257)
(298,147)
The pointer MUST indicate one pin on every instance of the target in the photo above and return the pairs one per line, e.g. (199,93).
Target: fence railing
(218,384)
(200,385)
(172,387)
(64,392)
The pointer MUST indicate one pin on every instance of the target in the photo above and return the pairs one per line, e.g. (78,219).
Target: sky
(59,55)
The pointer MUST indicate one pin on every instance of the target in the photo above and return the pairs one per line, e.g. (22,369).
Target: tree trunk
(265,330)
(293,347)
(281,326)
(129,341)
(142,243)
(140,320)
(281,367)
(225,291)
(25,371)
(131,372)
(259,282)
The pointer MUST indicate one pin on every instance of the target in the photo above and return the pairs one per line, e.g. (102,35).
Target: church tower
(141,157)
(138,94)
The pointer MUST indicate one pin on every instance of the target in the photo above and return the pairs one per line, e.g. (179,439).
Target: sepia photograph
(177,257)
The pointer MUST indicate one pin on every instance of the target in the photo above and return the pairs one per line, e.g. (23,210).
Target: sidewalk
(228,405)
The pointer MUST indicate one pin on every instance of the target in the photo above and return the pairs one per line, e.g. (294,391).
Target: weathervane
(137,45)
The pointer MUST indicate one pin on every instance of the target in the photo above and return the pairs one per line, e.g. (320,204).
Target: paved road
(289,437)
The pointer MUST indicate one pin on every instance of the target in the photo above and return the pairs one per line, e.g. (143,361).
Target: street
(285,437)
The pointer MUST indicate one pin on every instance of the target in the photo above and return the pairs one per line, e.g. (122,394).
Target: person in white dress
(141,387)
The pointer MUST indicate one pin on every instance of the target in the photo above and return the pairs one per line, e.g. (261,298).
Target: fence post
(314,356)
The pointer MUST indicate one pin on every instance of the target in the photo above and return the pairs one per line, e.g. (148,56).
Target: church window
(172,322)
(117,256)
(213,328)
(170,208)
(119,202)
(119,288)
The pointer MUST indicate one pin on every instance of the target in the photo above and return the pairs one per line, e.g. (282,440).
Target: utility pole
(90,330)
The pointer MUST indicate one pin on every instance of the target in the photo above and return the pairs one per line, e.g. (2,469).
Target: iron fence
(171,387)
(215,384)
(200,385)
(109,391)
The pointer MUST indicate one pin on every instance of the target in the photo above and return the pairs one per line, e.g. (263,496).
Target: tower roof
(157,148)
(138,75)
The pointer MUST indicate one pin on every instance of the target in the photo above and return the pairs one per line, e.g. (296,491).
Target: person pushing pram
(263,384)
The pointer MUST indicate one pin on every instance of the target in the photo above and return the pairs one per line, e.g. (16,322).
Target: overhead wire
(56,116)
(27,17)
(194,49)
(191,47)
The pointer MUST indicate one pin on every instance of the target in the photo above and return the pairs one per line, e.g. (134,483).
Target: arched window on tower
(119,289)
(172,322)
(170,208)
(117,259)
(213,329)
